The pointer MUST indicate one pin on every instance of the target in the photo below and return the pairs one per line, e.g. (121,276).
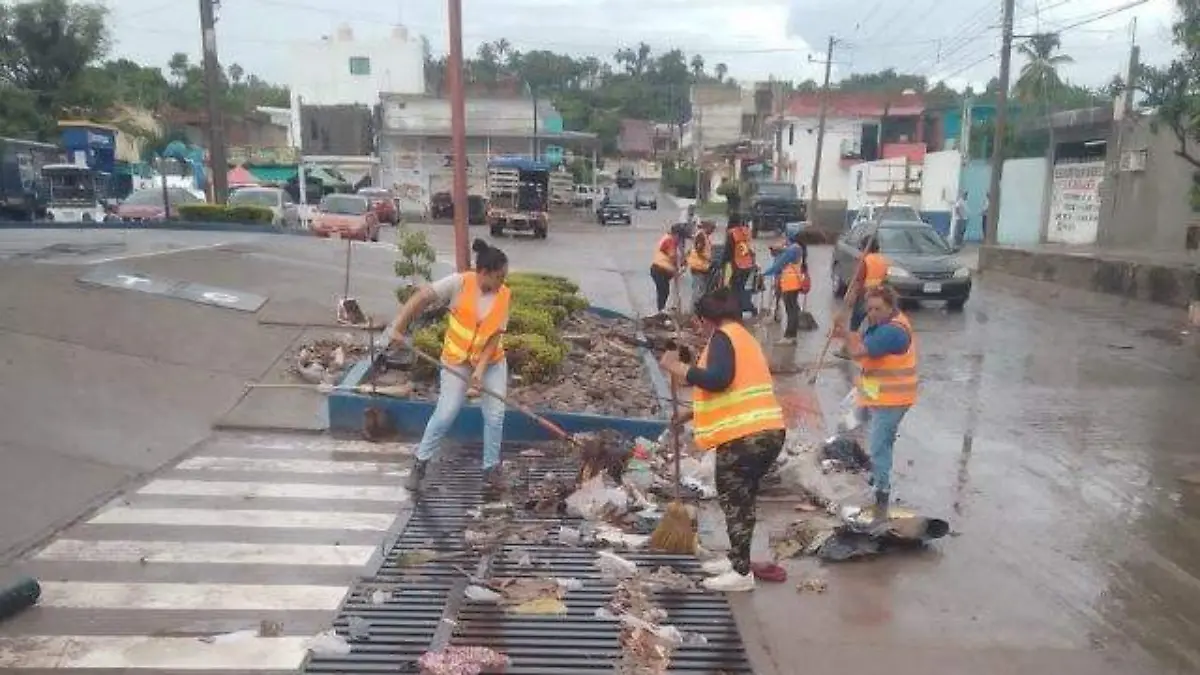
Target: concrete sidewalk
(1166,278)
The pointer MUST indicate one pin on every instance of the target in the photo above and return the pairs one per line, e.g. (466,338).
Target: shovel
(348,309)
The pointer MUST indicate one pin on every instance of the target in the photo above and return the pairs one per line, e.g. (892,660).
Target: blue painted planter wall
(408,416)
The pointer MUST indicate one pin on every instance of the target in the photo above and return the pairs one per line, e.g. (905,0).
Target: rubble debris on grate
(416,557)
(603,452)
(812,585)
(647,644)
(327,643)
(325,360)
(463,661)
(666,578)
(548,496)
(517,591)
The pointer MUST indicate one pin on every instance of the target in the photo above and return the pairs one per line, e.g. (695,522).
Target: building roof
(856,104)
(637,136)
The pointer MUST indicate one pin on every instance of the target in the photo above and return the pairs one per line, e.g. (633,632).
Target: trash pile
(325,360)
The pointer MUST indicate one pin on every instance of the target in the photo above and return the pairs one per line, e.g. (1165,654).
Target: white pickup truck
(585,195)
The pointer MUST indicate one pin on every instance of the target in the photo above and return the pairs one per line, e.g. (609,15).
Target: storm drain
(408,611)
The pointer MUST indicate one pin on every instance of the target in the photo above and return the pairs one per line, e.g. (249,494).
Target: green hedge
(217,213)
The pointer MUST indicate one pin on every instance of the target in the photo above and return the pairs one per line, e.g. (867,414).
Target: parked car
(773,205)
(441,207)
(645,200)
(923,265)
(617,207)
(383,203)
(626,178)
(283,209)
(893,213)
(346,216)
(149,204)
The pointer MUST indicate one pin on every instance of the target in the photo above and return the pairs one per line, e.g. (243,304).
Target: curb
(187,226)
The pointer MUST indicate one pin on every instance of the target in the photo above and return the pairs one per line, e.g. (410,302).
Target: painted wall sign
(1075,203)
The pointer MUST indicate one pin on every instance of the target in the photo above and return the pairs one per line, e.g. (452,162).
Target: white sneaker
(716,566)
(730,582)
(787,341)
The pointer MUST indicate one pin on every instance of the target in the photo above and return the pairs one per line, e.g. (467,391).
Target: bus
(75,194)
(22,192)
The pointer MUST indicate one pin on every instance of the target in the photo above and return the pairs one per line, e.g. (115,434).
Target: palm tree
(1039,78)
(697,67)
(721,71)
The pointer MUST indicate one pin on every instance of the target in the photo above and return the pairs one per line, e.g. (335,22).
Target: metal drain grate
(413,610)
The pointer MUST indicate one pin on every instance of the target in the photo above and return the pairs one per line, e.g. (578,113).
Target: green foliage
(729,188)
(415,256)
(534,357)
(218,213)
(524,318)
(552,281)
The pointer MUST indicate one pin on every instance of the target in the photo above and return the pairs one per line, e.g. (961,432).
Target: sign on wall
(1075,203)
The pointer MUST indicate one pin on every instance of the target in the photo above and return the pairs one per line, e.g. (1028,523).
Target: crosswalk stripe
(317,444)
(251,489)
(289,466)
(315,520)
(247,653)
(189,596)
(205,552)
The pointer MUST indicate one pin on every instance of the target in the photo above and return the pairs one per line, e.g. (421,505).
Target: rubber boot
(416,476)
(879,514)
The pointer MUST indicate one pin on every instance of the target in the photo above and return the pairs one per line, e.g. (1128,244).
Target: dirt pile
(325,360)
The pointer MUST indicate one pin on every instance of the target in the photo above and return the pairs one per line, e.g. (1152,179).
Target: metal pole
(458,134)
(989,235)
(533,143)
(212,84)
(698,142)
(816,179)
(162,175)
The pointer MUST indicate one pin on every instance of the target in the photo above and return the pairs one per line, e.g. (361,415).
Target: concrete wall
(1074,203)
(428,115)
(1146,209)
(321,74)
(1022,201)
(337,130)
(417,167)
(975,180)
(939,187)
(799,144)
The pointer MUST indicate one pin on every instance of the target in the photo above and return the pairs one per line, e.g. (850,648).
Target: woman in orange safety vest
(872,273)
(699,260)
(665,267)
(735,413)
(886,352)
(791,266)
(738,255)
(479,305)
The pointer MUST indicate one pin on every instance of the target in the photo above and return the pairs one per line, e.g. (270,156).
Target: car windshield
(904,213)
(777,190)
(152,197)
(620,198)
(344,205)
(267,198)
(912,241)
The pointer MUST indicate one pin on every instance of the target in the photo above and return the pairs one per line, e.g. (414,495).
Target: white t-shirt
(449,287)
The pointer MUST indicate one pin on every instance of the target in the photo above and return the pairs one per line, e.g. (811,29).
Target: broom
(675,533)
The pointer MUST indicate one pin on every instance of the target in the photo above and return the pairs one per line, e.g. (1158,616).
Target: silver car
(279,201)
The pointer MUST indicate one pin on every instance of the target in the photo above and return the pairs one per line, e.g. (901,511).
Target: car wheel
(955,305)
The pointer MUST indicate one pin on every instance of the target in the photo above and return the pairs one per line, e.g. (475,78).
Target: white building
(342,70)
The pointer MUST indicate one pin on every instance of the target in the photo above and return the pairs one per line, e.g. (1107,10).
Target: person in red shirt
(668,260)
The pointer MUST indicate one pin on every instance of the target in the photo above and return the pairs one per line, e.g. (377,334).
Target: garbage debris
(569,584)
(325,360)
(359,629)
(480,594)
(845,453)
(327,643)
(545,605)
(523,590)
(855,536)
(596,501)
(812,585)
(462,661)
(416,557)
(268,628)
(666,578)
(613,566)
(569,536)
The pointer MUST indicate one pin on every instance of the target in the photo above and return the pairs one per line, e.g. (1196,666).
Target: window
(360,65)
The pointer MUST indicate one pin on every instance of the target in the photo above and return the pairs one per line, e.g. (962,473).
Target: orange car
(346,216)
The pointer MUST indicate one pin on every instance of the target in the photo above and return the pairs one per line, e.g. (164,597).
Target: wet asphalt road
(1056,431)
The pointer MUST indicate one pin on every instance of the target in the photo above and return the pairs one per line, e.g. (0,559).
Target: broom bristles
(674,533)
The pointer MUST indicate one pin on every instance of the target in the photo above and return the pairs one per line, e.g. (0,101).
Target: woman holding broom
(735,413)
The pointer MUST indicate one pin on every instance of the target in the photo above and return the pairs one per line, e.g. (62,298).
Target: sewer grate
(413,610)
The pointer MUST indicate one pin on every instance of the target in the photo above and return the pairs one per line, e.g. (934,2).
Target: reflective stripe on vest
(890,381)
(466,332)
(663,260)
(791,278)
(699,259)
(748,406)
(876,267)
(743,252)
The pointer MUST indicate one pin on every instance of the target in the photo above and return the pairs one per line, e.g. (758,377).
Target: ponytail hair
(488,258)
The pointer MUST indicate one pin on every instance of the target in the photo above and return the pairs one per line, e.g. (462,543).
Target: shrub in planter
(217,213)
(533,357)
(524,318)
(561,284)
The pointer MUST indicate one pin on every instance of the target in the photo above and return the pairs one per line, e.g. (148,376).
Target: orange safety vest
(792,278)
(466,332)
(664,260)
(743,252)
(699,259)
(889,381)
(748,406)
(877,268)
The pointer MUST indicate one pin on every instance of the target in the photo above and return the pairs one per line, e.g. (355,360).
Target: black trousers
(791,304)
(662,286)
(740,283)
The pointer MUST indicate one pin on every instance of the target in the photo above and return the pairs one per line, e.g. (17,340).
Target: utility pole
(993,195)
(212,82)
(964,133)
(533,144)
(698,140)
(458,136)
(816,178)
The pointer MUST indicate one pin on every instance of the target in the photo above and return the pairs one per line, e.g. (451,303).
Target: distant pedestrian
(738,257)
(791,268)
(958,224)
(987,205)
(665,268)
(699,260)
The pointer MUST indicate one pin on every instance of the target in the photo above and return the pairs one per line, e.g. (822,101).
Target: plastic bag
(638,471)
(595,501)
(614,566)
(327,643)
(849,416)
(481,594)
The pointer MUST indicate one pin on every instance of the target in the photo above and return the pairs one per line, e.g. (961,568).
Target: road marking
(321,445)
(241,653)
(314,466)
(252,490)
(314,520)
(151,254)
(190,596)
(206,552)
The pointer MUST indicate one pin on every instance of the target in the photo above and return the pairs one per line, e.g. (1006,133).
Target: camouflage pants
(741,465)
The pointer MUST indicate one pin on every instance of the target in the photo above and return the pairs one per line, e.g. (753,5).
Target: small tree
(414,263)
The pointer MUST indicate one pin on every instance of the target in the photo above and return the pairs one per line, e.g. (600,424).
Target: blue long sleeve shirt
(718,373)
(788,256)
(885,339)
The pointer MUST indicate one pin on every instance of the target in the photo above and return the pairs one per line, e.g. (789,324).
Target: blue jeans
(451,396)
(882,426)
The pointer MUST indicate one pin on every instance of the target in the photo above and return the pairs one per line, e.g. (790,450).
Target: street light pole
(218,163)
(993,213)
(458,136)
(816,178)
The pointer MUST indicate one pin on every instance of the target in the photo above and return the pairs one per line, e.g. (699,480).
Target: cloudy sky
(953,39)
